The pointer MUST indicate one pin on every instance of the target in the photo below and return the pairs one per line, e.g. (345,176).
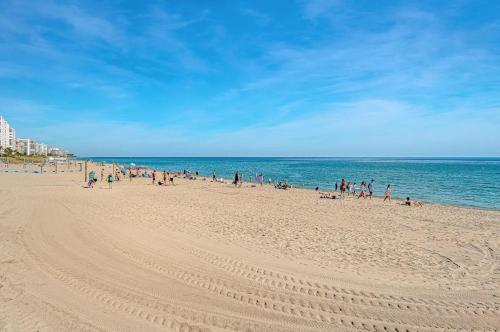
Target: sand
(202,256)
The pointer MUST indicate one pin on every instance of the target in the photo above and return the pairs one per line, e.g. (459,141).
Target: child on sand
(110,181)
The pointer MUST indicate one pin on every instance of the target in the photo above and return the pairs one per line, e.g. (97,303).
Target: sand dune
(202,256)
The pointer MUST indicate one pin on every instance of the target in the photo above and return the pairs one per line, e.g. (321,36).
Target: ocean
(472,182)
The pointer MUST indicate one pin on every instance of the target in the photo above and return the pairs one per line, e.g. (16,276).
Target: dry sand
(202,256)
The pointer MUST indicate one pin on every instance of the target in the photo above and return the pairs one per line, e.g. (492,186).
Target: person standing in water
(388,192)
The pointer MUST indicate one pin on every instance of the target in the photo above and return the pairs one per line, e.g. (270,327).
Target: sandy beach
(203,256)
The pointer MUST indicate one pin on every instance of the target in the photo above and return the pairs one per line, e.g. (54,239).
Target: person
(370,189)
(408,202)
(154,176)
(213,176)
(102,174)
(354,189)
(164,177)
(328,195)
(362,190)
(348,188)
(241,181)
(336,186)
(90,183)
(387,194)
(197,173)
(130,174)
(110,181)
(342,187)
(171,178)
(236,179)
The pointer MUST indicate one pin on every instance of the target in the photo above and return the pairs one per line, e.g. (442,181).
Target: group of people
(168,179)
(92,179)
(348,188)
(365,190)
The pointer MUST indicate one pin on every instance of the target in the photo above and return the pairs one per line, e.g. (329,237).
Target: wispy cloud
(316,8)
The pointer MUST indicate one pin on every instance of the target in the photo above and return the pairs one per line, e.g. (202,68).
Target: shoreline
(311,187)
(75,163)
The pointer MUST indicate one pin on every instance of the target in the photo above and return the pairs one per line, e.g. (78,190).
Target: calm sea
(471,182)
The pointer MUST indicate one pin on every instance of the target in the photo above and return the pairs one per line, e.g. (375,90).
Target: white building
(41,149)
(6,134)
(12,138)
(56,152)
(26,146)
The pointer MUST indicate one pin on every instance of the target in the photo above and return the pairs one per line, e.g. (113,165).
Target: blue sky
(254,78)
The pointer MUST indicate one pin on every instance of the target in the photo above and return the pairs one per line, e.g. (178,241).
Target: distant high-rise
(12,138)
(7,135)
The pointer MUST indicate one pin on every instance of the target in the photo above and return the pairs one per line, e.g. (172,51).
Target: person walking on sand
(387,194)
(236,179)
(164,178)
(170,178)
(110,181)
(102,174)
(370,189)
(362,190)
(354,189)
(154,176)
(342,187)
